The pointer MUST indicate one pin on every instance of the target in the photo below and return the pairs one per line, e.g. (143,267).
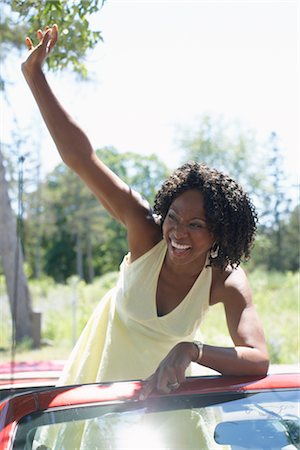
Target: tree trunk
(79,256)
(90,265)
(12,261)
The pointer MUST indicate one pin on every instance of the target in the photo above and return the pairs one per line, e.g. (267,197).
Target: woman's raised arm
(76,150)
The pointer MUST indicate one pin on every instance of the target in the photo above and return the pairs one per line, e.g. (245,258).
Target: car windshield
(263,420)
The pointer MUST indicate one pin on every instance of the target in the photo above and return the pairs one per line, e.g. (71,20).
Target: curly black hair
(230,214)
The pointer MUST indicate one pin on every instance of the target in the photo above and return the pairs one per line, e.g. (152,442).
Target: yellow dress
(125,339)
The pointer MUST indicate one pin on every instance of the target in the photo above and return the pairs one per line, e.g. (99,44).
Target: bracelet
(199,346)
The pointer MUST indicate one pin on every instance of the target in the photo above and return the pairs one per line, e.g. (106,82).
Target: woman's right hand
(38,54)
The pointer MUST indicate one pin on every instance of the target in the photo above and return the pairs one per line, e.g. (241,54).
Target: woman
(181,260)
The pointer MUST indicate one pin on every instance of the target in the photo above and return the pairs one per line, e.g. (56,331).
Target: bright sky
(163,64)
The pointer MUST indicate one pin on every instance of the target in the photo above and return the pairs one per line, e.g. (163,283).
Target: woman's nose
(180,230)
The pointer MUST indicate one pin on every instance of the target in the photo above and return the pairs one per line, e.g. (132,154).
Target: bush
(66,308)
(276,297)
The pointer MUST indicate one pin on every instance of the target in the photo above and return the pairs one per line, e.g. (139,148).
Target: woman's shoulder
(228,283)
(142,241)
(153,251)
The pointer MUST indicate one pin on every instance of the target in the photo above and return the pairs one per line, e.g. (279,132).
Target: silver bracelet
(199,346)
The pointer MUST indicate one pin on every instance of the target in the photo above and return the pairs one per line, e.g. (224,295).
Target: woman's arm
(76,151)
(249,356)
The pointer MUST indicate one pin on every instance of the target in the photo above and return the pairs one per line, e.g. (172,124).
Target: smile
(180,246)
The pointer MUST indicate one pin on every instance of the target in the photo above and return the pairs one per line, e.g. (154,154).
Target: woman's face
(185,230)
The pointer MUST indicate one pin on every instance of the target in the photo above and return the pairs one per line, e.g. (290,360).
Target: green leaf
(76,36)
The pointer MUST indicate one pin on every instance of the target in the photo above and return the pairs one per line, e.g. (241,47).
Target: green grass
(66,308)
(276,297)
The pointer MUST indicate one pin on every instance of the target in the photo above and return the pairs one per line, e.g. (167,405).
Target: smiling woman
(182,258)
(186,231)
(188,242)
(222,208)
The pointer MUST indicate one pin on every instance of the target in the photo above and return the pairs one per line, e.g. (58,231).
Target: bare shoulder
(143,233)
(230,285)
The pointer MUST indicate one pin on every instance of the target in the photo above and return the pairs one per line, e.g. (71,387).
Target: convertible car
(208,412)
(22,376)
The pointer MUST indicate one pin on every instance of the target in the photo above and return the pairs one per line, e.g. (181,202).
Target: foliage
(76,234)
(21,18)
(277,248)
(18,19)
(232,150)
(67,231)
(275,295)
(225,147)
(76,300)
(279,227)
(291,241)
(64,212)
(277,299)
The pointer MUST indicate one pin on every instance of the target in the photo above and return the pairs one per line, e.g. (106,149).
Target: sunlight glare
(141,437)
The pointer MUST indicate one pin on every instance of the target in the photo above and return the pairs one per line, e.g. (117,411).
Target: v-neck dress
(125,338)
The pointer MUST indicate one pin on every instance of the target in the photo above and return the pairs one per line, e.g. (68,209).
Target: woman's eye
(196,225)
(171,216)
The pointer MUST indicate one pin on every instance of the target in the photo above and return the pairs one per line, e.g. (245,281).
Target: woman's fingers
(38,53)
(40,35)
(169,381)
(148,387)
(49,38)
(54,36)
(29,43)
(162,382)
(46,38)
(171,371)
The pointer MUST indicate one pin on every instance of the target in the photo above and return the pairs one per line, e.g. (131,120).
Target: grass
(66,308)
(276,297)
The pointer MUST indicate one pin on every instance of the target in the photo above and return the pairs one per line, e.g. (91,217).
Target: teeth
(179,246)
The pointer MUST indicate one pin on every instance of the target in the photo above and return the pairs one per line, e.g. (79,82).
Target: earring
(157,219)
(214,251)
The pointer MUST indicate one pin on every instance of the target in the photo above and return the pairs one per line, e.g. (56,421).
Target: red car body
(18,375)
(13,410)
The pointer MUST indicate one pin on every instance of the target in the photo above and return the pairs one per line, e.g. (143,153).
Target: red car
(236,413)
(20,376)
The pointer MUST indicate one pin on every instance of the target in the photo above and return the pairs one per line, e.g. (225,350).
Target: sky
(164,64)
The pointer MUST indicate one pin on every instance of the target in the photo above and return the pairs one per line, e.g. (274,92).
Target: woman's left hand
(171,371)
(39,53)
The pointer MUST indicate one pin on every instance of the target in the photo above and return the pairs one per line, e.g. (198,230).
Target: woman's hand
(171,371)
(38,54)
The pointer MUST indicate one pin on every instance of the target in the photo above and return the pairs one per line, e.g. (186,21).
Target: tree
(259,169)
(18,19)
(291,241)
(65,209)
(225,147)
(265,251)
(78,235)
(277,217)
(12,261)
